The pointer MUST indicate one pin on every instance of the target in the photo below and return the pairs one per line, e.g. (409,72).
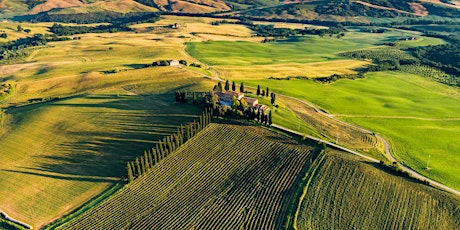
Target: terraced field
(359,195)
(229,176)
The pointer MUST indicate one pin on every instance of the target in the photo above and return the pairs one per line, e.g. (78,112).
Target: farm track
(386,145)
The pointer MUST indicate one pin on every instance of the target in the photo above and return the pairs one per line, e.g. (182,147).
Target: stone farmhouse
(226,98)
(174,63)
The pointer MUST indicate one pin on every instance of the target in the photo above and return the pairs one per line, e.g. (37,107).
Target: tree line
(142,164)
(17,48)
(115,18)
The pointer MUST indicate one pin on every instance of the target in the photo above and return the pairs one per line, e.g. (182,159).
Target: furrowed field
(229,176)
(360,195)
(235,175)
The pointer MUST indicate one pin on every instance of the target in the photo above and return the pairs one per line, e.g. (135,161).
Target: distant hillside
(359,10)
(337,10)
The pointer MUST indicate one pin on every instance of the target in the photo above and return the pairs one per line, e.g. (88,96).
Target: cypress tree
(194,98)
(242,87)
(227,86)
(177,96)
(150,159)
(273,100)
(143,165)
(138,166)
(258,90)
(160,150)
(133,169)
(219,87)
(266,92)
(147,162)
(270,121)
(130,173)
(233,86)
(176,139)
(155,157)
(170,148)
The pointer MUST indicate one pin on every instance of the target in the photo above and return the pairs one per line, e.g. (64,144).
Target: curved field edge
(362,195)
(243,177)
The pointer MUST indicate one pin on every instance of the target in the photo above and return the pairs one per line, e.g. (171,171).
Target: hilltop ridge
(340,10)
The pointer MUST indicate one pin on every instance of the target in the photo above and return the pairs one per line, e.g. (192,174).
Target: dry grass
(53,4)
(312,70)
(289,25)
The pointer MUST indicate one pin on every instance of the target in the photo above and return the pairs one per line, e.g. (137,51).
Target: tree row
(165,147)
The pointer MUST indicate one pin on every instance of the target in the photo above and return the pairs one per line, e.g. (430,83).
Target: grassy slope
(394,104)
(79,146)
(310,56)
(346,192)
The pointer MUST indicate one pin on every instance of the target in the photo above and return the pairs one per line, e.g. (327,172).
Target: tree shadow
(136,66)
(133,125)
(79,178)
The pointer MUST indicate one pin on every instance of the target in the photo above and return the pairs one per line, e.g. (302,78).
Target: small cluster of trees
(115,18)
(265,93)
(168,62)
(165,147)
(219,88)
(238,108)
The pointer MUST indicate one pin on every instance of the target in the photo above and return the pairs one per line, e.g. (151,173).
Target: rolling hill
(340,10)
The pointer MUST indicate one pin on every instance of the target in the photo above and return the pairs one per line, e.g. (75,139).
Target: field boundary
(18,222)
(86,206)
(308,177)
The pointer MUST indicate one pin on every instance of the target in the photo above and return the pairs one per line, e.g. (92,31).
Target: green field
(396,105)
(347,192)
(305,49)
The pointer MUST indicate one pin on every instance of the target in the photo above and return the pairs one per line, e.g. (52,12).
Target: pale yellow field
(317,69)
(289,25)
(198,29)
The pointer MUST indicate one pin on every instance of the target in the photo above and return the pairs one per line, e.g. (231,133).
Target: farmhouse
(174,63)
(226,98)
(251,101)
